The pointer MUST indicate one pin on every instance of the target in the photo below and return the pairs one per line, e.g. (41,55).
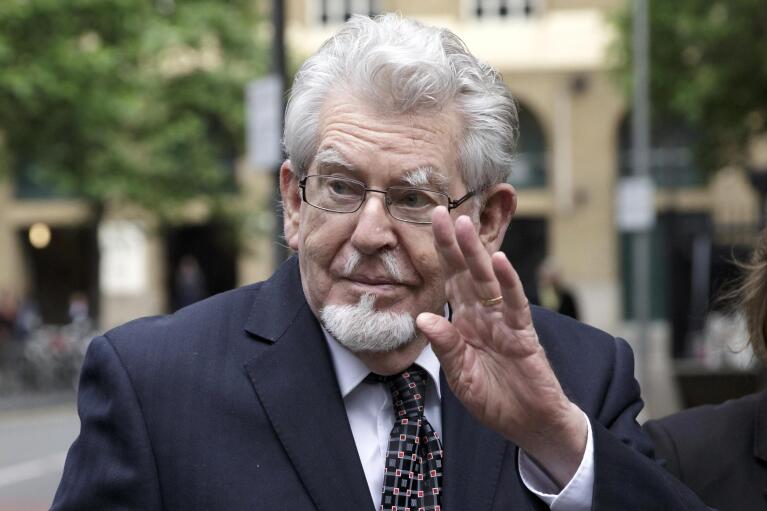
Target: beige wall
(450,8)
(11,265)
(607,5)
(295,11)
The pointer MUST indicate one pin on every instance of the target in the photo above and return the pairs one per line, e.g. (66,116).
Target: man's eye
(415,199)
(340,187)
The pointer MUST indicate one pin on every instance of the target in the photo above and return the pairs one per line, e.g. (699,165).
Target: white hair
(403,67)
(361,328)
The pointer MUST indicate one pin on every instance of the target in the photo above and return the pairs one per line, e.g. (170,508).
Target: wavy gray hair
(403,66)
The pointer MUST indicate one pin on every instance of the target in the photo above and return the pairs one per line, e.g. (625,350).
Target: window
(506,8)
(672,162)
(337,11)
(529,169)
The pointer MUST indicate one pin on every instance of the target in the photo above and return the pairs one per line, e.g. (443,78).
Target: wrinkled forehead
(423,146)
(329,160)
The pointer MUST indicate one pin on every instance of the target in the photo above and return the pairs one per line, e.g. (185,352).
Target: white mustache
(388,259)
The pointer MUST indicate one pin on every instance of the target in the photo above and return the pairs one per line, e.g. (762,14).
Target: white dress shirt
(371,417)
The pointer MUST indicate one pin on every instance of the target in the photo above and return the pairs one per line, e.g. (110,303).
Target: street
(33,445)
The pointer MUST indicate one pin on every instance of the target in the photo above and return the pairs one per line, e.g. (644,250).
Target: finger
(511,287)
(477,259)
(445,243)
(445,340)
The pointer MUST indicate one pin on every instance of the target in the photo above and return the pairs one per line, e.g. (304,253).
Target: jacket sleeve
(665,446)
(111,464)
(626,475)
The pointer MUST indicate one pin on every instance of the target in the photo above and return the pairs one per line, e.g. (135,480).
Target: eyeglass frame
(451,204)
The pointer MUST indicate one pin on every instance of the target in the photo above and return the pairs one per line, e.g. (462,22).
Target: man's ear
(291,203)
(494,219)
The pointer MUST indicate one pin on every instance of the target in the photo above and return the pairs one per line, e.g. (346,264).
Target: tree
(127,101)
(707,67)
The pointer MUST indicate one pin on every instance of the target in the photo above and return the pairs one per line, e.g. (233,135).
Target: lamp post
(640,133)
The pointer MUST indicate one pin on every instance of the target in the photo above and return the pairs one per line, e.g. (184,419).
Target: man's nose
(375,227)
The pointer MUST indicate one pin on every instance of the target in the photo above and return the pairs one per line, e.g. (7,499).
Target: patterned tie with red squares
(413,473)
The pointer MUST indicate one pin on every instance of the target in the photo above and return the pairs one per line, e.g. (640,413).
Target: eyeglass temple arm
(455,203)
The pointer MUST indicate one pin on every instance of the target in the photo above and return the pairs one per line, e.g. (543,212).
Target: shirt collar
(350,370)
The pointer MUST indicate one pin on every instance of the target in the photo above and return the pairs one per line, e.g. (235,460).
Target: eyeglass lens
(346,196)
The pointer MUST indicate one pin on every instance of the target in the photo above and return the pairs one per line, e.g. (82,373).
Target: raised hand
(491,356)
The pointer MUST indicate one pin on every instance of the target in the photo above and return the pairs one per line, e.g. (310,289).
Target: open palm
(490,353)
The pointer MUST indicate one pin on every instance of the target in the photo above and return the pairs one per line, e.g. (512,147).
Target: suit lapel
(473,456)
(296,385)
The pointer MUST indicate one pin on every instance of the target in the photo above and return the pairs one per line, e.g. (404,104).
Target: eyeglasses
(342,195)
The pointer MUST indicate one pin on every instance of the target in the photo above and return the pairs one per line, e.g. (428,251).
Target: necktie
(413,472)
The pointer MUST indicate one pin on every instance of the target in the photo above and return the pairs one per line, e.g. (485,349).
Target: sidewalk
(653,369)
(27,401)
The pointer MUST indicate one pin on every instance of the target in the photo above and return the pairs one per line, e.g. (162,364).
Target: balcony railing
(493,9)
(337,11)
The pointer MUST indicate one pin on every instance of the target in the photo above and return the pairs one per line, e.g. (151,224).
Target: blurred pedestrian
(79,308)
(720,451)
(28,318)
(552,291)
(8,312)
(190,286)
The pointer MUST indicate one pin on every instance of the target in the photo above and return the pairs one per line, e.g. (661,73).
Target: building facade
(574,147)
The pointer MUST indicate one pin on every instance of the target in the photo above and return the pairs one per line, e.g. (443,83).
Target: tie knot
(408,390)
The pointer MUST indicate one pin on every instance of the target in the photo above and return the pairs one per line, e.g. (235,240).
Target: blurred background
(139,141)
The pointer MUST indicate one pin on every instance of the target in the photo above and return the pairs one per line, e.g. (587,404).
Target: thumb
(445,340)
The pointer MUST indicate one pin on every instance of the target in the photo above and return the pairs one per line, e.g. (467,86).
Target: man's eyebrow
(426,176)
(329,157)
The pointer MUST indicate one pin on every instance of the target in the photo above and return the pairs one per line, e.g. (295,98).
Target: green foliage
(128,101)
(708,66)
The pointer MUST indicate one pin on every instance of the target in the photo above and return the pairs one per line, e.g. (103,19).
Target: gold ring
(492,301)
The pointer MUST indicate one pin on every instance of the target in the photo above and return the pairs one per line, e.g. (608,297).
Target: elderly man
(394,363)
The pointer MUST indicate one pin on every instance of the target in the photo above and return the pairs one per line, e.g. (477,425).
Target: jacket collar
(277,303)
(295,383)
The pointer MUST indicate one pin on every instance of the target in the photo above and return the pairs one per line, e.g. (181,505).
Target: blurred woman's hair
(752,297)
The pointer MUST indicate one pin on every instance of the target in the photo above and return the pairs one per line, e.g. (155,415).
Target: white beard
(360,327)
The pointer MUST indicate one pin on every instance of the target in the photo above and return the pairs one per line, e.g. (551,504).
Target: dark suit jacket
(233,404)
(718,451)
